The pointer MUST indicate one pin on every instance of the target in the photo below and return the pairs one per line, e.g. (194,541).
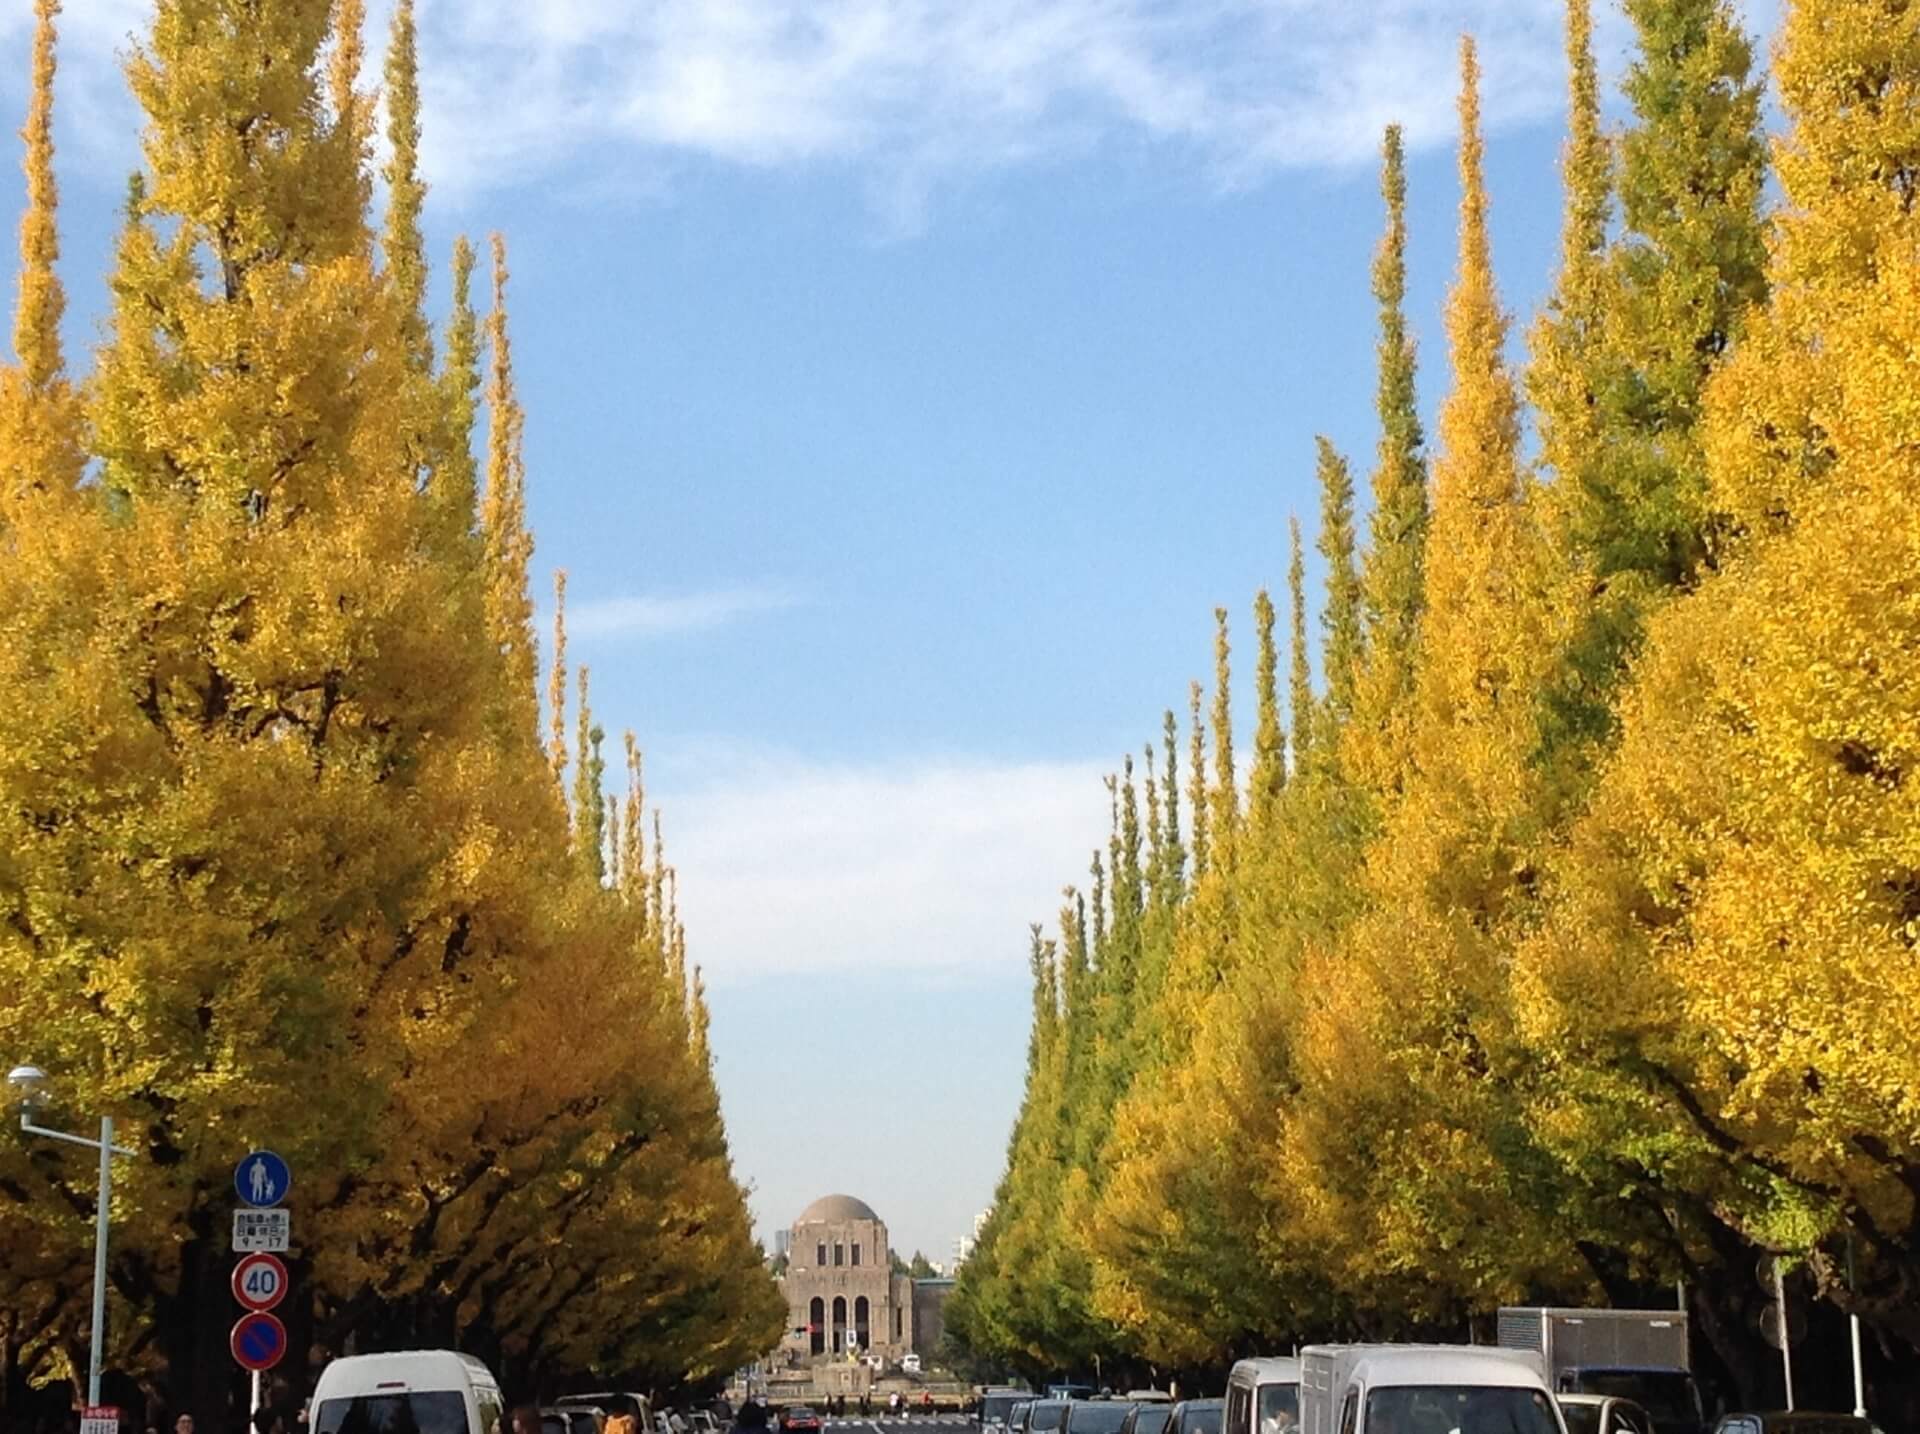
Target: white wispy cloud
(914,91)
(909,93)
(918,869)
(657,615)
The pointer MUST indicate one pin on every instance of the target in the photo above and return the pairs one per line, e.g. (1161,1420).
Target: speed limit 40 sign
(260,1281)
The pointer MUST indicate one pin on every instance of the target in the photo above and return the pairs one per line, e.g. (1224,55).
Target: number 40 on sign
(260,1281)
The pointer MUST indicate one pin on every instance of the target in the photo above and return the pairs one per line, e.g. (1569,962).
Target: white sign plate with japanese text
(268,1230)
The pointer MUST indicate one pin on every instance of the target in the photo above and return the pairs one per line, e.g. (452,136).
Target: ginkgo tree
(1562,947)
(285,859)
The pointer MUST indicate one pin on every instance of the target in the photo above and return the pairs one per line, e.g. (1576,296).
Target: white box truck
(1424,1389)
(1640,1355)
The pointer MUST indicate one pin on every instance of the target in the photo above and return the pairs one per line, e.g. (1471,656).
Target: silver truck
(1640,1355)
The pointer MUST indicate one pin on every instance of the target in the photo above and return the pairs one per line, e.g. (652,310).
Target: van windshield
(1459,1409)
(437,1411)
(1669,1395)
(1046,1415)
(1279,1408)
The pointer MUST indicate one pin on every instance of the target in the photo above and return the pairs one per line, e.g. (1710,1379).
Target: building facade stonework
(843,1299)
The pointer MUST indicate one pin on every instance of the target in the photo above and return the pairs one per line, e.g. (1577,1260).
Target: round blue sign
(261,1180)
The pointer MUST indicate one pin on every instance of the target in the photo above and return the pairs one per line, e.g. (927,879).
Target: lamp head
(29,1085)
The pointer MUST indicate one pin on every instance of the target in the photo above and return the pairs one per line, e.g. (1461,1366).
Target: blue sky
(907,382)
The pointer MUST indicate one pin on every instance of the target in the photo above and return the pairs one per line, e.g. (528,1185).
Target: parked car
(910,1362)
(1800,1421)
(1197,1416)
(608,1402)
(575,1419)
(799,1416)
(995,1404)
(1097,1416)
(1602,1414)
(1148,1417)
(423,1391)
(1045,1416)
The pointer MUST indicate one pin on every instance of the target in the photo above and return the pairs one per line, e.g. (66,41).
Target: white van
(1263,1397)
(1424,1389)
(422,1391)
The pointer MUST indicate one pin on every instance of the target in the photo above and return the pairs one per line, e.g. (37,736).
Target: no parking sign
(258,1341)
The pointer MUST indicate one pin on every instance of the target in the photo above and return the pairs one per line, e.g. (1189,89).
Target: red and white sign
(99,1419)
(260,1281)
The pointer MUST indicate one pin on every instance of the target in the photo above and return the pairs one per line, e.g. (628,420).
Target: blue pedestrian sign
(261,1180)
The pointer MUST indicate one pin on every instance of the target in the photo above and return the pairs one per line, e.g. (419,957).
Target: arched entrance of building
(839,1324)
(817,1326)
(862,1335)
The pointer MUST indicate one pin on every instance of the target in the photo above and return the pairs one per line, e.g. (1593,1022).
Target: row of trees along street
(287,855)
(1561,945)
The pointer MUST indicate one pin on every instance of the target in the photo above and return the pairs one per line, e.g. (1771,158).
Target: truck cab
(1263,1397)
(1424,1389)
(1671,1397)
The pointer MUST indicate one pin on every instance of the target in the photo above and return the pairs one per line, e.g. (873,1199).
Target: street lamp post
(30,1083)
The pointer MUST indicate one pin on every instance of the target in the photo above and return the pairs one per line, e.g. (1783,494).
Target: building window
(820,1260)
(839,1254)
(856,1256)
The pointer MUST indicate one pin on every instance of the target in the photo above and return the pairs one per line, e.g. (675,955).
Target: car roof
(1200,1404)
(358,1373)
(1479,1364)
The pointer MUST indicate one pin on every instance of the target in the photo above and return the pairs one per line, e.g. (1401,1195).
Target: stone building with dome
(843,1298)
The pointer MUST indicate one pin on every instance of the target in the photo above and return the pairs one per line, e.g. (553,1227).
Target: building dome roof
(832,1208)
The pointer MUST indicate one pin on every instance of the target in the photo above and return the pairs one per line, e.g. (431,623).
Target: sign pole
(97,1340)
(1786,1344)
(253,1398)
